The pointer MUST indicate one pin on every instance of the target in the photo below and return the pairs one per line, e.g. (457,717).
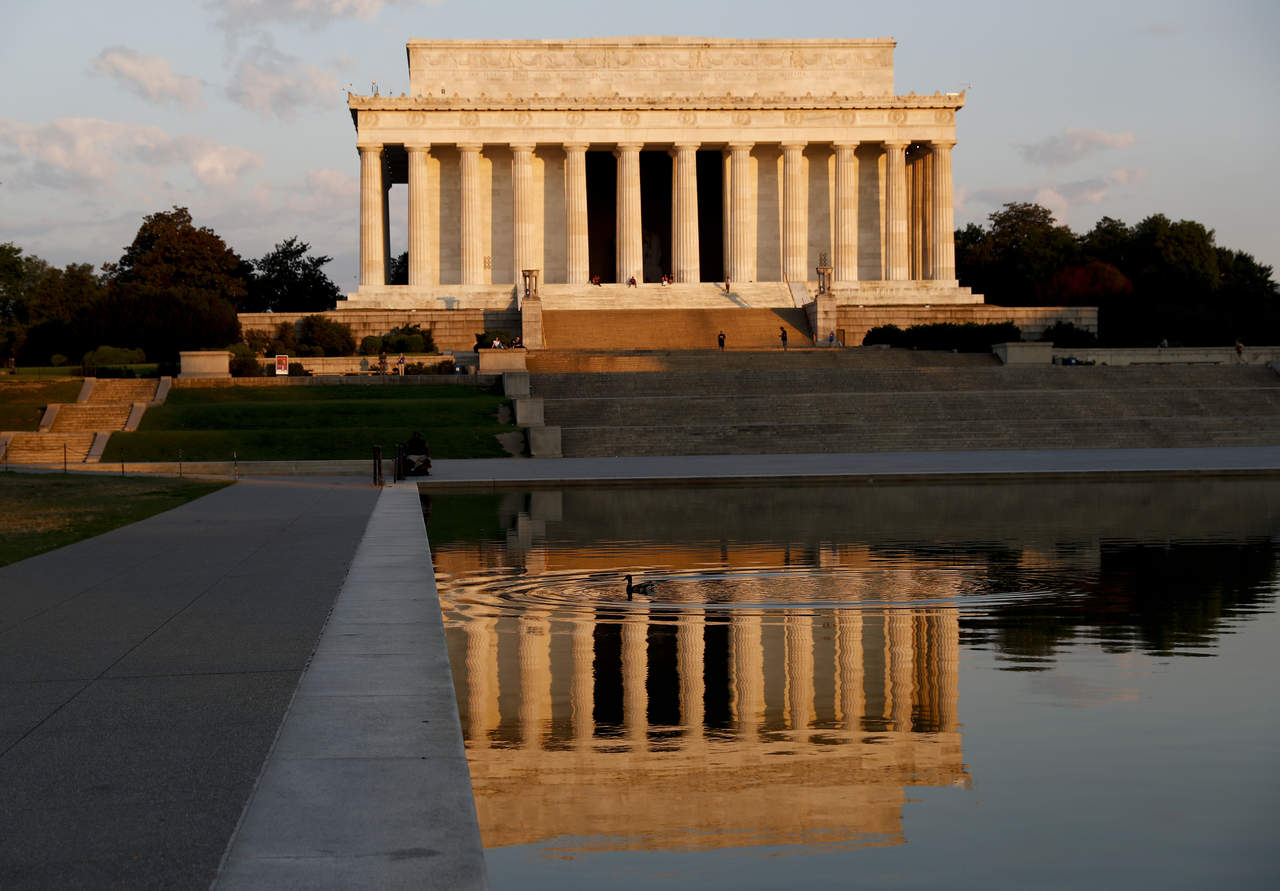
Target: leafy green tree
(318,336)
(174,288)
(1014,260)
(398,274)
(288,280)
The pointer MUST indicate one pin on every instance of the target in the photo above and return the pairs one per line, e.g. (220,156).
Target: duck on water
(644,589)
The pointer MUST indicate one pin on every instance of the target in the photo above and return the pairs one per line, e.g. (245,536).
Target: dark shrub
(1065,334)
(883,334)
(109,355)
(329,337)
(967,338)
(370,345)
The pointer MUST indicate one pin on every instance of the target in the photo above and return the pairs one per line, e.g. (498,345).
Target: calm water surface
(1004,685)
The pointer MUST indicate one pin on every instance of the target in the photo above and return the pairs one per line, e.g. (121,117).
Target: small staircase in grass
(110,406)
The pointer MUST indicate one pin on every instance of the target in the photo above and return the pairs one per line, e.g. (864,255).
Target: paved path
(367,785)
(885,466)
(144,673)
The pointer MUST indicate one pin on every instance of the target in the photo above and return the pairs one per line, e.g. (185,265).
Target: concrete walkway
(877,466)
(367,785)
(144,673)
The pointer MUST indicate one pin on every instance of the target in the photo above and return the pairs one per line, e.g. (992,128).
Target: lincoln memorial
(747,173)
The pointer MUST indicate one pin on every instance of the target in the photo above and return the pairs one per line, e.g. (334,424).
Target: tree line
(1157,281)
(176,287)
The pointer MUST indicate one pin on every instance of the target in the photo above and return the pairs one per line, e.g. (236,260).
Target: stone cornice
(953,101)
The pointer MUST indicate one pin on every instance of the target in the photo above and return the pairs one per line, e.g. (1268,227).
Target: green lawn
(40,512)
(312,423)
(23,400)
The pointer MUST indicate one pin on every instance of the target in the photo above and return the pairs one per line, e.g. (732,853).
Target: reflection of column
(582,690)
(795,214)
(373,271)
(845,259)
(524,209)
(690,649)
(851,696)
(535,678)
(742,229)
(799,671)
(747,649)
(898,633)
(943,253)
(472,215)
(630,239)
(687,268)
(895,225)
(635,673)
(482,680)
(421,205)
(948,669)
(575,178)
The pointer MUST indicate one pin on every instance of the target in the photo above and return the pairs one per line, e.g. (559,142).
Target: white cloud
(237,15)
(87,153)
(1073,144)
(274,83)
(1060,197)
(149,77)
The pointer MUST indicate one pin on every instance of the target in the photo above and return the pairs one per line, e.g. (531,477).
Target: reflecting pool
(1009,685)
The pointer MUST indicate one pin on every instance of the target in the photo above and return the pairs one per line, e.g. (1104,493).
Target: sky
(237,108)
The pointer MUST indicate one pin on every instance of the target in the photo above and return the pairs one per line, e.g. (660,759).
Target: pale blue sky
(236,108)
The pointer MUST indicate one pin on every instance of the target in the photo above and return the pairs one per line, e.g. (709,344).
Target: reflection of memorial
(661,724)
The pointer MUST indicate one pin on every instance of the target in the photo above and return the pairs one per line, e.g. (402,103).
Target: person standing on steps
(782,335)
(720,340)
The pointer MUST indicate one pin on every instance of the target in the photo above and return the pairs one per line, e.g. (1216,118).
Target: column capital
(936,144)
(629,146)
(851,144)
(898,145)
(417,147)
(575,146)
(793,144)
(369,146)
(521,146)
(741,146)
(470,146)
(685,145)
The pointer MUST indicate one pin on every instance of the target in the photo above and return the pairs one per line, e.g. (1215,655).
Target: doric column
(926,216)
(373,270)
(575,209)
(943,253)
(687,267)
(845,249)
(472,216)
(795,215)
(630,242)
(895,225)
(915,237)
(421,206)
(742,218)
(524,211)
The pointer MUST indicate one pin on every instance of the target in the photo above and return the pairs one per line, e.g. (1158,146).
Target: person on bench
(418,456)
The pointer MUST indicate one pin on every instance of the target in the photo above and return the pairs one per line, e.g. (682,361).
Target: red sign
(282,364)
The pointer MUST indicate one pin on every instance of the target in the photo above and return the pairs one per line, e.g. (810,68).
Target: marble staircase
(673,329)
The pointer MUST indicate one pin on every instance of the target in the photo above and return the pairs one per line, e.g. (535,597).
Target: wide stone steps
(83,417)
(673,329)
(47,448)
(906,408)
(866,437)
(716,381)
(116,390)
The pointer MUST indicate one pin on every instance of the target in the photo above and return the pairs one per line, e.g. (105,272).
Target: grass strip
(313,423)
(22,402)
(40,512)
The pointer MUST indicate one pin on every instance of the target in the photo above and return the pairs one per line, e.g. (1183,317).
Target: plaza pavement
(145,674)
